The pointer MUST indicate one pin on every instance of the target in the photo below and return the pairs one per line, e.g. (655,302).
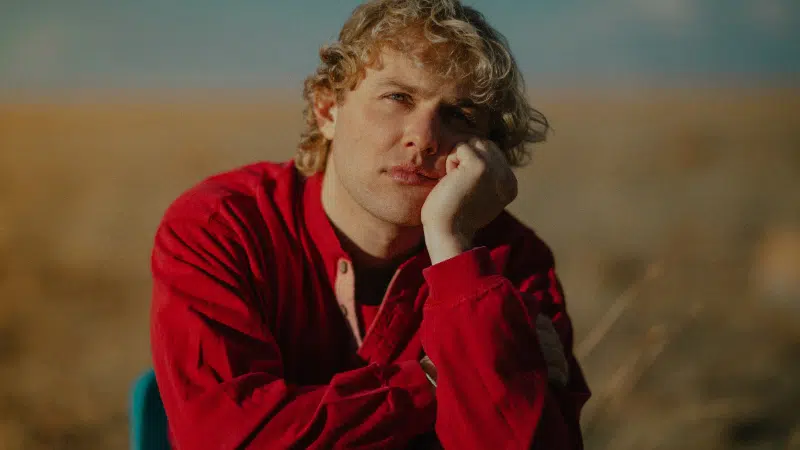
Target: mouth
(411,175)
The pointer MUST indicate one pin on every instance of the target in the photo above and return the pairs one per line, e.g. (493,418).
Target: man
(372,293)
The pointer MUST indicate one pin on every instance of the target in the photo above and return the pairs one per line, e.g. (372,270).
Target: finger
(507,185)
(481,148)
(496,162)
(466,151)
(470,159)
(487,149)
(451,163)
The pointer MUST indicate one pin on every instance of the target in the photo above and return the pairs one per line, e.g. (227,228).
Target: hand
(477,186)
(553,351)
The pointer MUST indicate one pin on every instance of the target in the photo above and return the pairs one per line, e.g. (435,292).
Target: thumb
(452,162)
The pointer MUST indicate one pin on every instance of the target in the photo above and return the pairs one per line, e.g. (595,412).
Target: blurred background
(670,192)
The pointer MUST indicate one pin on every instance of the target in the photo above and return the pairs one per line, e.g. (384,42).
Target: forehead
(395,69)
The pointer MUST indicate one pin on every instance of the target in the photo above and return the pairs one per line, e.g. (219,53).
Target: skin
(401,114)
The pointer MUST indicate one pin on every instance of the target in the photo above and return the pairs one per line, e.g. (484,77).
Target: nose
(422,132)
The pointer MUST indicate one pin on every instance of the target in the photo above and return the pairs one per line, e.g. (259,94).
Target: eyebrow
(465,103)
(395,83)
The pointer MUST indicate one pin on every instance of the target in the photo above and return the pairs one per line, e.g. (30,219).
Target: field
(674,216)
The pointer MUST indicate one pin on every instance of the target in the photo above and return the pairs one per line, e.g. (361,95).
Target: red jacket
(253,344)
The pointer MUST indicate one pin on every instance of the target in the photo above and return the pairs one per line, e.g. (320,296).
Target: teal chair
(148,421)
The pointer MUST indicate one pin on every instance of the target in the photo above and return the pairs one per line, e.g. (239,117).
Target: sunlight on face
(399,120)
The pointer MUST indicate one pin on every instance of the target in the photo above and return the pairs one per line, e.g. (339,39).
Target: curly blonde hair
(453,41)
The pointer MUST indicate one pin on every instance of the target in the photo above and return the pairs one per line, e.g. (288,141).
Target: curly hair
(453,41)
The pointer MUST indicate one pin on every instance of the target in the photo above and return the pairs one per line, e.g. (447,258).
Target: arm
(220,371)
(479,329)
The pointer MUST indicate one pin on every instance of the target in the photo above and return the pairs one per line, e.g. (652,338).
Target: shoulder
(240,192)
(240,212)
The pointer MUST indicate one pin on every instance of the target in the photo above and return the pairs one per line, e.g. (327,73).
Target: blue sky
(265,43)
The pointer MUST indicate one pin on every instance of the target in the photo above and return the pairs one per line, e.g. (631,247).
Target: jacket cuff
(469,274)
(413,378)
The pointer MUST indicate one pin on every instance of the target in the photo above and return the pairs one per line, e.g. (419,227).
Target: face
(392,134)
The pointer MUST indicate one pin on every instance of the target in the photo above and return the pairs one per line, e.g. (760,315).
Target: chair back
(148,421)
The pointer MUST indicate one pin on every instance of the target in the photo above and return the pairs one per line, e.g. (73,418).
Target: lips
(412,175)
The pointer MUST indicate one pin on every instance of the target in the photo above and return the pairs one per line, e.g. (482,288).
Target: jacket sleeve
(479,330)
(220,370)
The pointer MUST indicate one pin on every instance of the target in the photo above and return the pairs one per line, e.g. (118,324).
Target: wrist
(443,245)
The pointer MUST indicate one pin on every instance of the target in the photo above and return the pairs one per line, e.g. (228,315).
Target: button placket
(345,294)
(391,324)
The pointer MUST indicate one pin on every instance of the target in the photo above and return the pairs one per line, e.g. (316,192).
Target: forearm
(371,407)
(492,378)
(221,371)
(491,388)
(387,414)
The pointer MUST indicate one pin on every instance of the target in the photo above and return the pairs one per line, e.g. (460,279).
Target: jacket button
(343,266)
(344,309)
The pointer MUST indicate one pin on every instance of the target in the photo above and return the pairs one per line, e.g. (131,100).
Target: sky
(46,44)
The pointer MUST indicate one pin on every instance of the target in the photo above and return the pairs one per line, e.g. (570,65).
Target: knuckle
(475,142)
(464,147)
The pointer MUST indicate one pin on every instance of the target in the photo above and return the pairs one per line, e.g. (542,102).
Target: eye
(399,97)
(462,115)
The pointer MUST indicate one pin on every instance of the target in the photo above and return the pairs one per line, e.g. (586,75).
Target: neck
(371,242)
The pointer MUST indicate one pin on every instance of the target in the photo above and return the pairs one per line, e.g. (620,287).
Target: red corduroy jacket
(256,339)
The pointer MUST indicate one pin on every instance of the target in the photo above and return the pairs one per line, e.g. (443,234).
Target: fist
(477,186)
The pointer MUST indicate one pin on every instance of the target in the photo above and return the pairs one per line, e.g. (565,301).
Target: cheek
(450,138)
(378,131)
(361,143)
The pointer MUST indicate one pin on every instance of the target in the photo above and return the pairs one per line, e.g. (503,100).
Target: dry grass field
(674,215)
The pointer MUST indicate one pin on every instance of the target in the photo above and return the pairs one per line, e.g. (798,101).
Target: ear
(325,110)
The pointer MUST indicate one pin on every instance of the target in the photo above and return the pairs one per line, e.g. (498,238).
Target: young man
(372,293)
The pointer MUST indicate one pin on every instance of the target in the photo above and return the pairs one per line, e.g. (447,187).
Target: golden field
(674,216)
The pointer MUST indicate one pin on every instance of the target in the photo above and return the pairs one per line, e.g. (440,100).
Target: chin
(399,207)
(410,222)
(409,216)
(409,219)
